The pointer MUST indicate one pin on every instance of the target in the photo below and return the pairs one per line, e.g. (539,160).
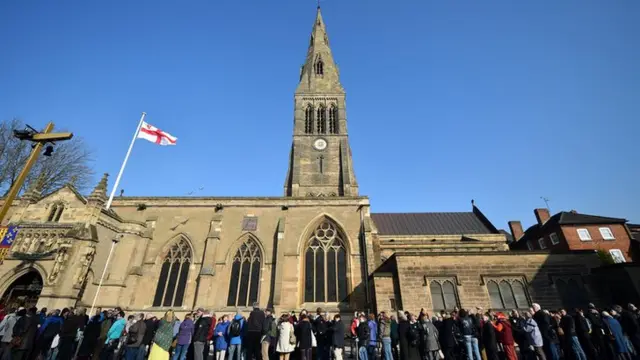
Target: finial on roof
(99,193)
(73,181)
(473,202)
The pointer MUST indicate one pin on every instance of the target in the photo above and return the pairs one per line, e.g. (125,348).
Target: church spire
(319,72)
(320,163)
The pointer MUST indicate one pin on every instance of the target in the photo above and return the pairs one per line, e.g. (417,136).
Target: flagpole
(124,163)
(114,241)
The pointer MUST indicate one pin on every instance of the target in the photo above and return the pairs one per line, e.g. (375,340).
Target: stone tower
(320,162)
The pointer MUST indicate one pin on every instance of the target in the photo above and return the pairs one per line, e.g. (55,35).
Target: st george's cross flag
(155,135)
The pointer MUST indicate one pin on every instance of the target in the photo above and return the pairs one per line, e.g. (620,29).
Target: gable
(65,194)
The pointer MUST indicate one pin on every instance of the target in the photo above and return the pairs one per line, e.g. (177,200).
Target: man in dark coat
(597,331)
(320,330)
(253,334)
(200,333)
(363,333)
(446,336)
(337,337)
(583,328)
(489,339)
(549,336)
(69,331)
(151,325)
(25,329)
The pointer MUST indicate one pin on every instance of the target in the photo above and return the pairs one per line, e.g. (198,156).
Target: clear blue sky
(499,101)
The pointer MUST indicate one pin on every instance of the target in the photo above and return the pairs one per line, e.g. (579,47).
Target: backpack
(235,328)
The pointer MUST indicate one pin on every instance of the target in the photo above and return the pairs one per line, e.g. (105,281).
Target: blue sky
(499,101)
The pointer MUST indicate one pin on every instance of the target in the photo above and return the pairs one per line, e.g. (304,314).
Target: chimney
(542,215)
(516,229)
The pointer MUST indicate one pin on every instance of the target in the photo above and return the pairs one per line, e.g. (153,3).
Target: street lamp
(38,139)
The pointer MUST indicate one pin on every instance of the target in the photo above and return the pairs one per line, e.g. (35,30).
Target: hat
(591,306)
(21,308)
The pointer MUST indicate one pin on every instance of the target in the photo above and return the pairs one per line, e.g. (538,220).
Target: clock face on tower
(320,144)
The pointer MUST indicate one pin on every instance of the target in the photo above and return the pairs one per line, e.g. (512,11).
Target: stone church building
(319,245)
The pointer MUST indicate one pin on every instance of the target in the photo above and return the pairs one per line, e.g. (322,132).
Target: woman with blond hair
(163,337)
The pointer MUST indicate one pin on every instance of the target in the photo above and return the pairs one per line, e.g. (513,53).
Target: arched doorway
(24,291)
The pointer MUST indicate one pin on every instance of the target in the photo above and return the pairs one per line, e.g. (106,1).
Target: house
(570,230)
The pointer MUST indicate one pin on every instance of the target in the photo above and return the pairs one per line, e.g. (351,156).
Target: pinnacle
(99,193)
(34,192)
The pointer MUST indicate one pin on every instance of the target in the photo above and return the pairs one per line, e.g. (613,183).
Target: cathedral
(321,244)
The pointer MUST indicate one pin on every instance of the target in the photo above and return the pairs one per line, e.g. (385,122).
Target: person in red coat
(505,336)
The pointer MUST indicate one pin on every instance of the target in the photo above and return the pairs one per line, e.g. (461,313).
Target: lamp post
(39,139)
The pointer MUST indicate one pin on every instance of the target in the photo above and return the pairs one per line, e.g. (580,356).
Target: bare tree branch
(70,159)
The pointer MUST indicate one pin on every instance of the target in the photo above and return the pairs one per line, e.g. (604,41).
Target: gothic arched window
(319,67)
(322,120)
(55,213)
(325,266)
(245,274)
(308,120)
(443,295)
(333,119)
(507,294)
(173,275)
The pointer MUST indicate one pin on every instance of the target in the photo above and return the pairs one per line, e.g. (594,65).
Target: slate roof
(436,223)
(568,218)
(573,218)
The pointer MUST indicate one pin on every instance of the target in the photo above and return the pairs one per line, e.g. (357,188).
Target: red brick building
(570,230)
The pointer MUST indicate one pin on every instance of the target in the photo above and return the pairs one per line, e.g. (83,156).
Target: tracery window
(308,120)
(245,274)
(56,212)
(508,294)
(443,294)
(319,67)
(333,119)
(322,120)
(325,265)
(173,275)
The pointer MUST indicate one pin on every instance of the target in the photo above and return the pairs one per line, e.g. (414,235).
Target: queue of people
(590,334)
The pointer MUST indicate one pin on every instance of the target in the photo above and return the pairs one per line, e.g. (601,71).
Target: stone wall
(471,271)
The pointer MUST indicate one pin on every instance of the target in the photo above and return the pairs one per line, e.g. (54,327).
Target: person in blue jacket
(235,331)
(615,329)
(220,336)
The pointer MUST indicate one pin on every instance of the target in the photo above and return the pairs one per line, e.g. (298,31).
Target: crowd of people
(593,334)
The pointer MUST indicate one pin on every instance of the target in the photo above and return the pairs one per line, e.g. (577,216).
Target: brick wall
(622,240)
(469,272)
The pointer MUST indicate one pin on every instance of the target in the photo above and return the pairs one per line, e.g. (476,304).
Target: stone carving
(61,258)
(24,246)
(35,244)
(85,262)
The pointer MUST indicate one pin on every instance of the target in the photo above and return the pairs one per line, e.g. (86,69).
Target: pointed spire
(99,193)
(34,192)
(319,72)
